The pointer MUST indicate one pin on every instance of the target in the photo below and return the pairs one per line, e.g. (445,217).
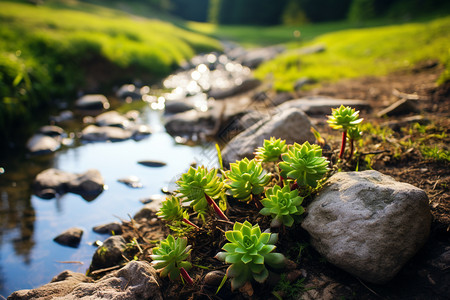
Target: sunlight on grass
(362,52)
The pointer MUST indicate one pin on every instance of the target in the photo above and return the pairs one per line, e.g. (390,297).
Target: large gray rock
(53,181)
(137,280)
(368,224)
(60,285)
(291,124)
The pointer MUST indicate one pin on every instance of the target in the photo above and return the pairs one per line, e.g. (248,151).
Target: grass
(45,51)
(362,52)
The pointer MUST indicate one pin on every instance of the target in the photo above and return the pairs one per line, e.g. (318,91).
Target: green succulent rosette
(248,252)
(343,118)
(171,210)
(271,150)
(195,183)
(304,163)
(246,177)
(283,205)
(170,256)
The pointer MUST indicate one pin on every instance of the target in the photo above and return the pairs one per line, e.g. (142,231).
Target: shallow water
(28,255)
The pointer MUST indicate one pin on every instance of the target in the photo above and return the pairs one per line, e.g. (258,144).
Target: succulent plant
(283,205)
(172,211)
(170,256)
(343,118)
(199,186)
(304,163)
(272,150)
(248,252)
(246,177)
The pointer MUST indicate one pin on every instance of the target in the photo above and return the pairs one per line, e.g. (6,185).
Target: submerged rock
(88,185)
(152,163)
(131,181)
(368,224)
(94,133)
(71,237)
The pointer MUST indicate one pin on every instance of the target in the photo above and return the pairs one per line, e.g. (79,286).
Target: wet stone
(70,237)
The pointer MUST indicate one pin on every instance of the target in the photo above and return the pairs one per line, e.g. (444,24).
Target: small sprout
(248,252)
(272,150)
(353,134)
(196,184)
(343,118)
(247,177)
(304,163)
(170,256)
(283,205)
(172,211)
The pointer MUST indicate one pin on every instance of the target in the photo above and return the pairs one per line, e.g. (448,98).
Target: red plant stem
(190,223)
(344,138)
(186,276)
(217,209)
(351,150)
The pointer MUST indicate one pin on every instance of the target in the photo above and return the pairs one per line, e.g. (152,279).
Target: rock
(65,115)
(94,133)
(110,228)
(129,91)
(109,254)
(140,131)
(112,118)
(319,105)
(246,85)
(189,123)
(152,163)
(59,286)
(214,278)
(442,262)
(53,181)
(401,107)
(175,107)
(292,125)
(255,57)
(71,237)
(89,184)
(135,281)
(131,181)
(132,115)
(324,288)
(153,198)
(43,144)
(281,98)
(51,130)
(94,102)
(368,224)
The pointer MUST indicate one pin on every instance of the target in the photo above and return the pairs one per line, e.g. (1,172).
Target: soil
(395,152)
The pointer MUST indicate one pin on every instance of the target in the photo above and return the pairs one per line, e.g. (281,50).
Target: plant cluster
(249,251)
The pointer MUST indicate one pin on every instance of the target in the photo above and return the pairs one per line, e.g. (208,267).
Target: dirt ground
(395,153)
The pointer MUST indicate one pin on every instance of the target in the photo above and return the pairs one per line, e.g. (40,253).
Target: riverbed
(28,255)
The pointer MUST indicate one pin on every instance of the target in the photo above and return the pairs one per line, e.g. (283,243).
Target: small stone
(94,102)
(152,163)
(110,228)
(131,181)
(70,237)
(214,278)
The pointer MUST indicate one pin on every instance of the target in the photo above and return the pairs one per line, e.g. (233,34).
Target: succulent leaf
(272,150)
(246,177)
(171,210)
(170,256)
(304,163)
(247,252)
